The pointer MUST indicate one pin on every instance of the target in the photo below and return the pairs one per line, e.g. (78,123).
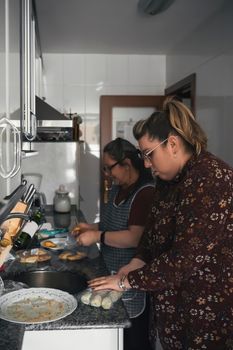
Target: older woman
(186,253)
(122,223)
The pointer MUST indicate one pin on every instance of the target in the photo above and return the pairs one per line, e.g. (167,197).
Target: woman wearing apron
(122,223)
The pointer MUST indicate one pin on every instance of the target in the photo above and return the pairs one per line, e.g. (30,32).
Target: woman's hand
(76,231)
(80,228)
(106,282)
(134,264)
(88,238)
(112,282)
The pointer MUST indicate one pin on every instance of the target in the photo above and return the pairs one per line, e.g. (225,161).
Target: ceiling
(117,27)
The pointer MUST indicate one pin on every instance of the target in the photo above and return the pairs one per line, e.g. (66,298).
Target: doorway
(185,90)
(118,114)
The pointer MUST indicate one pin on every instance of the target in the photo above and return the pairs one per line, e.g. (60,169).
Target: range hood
(53,126)
(49,116)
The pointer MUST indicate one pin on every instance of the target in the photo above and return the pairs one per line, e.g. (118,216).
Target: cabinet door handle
(8,128)
(17,151)
(28,68)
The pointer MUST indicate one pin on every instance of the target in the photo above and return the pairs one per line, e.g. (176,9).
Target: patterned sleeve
(203,229)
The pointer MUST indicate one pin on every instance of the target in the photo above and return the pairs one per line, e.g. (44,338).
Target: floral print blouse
(188,248)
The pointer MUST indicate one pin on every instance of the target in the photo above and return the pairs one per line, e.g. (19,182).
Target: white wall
(209,54)
(74,83)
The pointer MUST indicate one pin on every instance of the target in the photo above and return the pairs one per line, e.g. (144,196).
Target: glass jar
(61,201)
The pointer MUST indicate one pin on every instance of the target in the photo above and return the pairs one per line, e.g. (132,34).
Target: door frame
(185,88)
(108,102)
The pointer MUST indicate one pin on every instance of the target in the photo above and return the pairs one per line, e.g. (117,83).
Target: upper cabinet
(10,87)
(19,66)
(10,59)
(28,70)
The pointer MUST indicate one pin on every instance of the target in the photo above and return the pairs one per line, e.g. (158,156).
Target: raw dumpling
(96,299)
(107,303)
(110,299)
(86,297)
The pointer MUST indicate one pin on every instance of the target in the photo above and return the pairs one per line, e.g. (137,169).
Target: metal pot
(71,282)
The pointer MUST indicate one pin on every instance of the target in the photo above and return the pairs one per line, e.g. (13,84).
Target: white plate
(36,305)
(60,243)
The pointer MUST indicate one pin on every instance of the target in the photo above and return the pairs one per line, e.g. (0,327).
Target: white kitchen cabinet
(88,339)
(10,85)
(17,87)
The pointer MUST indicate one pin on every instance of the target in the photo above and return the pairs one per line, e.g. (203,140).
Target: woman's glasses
(148,155)
(108,168)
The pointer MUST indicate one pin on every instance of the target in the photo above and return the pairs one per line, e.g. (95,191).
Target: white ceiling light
(152,7)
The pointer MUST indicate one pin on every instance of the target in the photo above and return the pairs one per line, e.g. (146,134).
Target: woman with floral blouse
(185,256)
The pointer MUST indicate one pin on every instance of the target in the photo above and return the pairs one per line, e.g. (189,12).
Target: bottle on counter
(62,202)
(25,236)
(38,217)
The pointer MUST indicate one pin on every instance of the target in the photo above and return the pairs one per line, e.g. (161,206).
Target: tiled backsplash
(76,82)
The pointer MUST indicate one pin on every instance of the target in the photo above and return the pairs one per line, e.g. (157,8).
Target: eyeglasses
(108,168)
(148,155)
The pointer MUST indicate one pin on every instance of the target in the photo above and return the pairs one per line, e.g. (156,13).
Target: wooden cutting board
(12,226)
(4,253)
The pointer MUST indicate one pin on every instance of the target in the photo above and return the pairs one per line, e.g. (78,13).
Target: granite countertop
(84,316)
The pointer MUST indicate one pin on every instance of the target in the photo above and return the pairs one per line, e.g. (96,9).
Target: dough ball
(86,297)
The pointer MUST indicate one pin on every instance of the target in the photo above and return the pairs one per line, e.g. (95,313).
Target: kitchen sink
(71,282)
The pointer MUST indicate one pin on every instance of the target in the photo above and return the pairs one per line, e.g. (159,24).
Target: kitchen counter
(84,317)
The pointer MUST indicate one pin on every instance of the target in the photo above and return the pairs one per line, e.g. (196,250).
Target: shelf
(29,153)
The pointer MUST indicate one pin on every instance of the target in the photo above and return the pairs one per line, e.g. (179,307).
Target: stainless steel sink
(68,281)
